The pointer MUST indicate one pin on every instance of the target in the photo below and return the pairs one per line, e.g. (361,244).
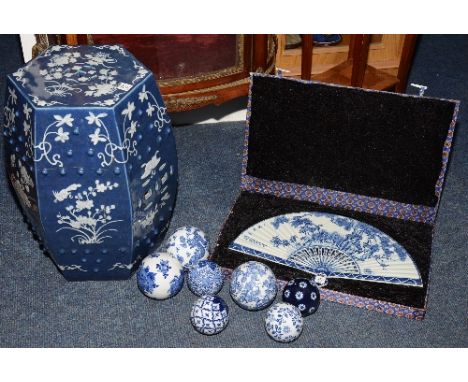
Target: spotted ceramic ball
(303,294)
(160,276)
(205,277)
(209,315)
(284,322)
(253,285)
(188,245)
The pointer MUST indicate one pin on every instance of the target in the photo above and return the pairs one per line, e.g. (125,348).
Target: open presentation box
(376,157)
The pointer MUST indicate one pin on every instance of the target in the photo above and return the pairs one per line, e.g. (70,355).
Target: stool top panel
(80,75)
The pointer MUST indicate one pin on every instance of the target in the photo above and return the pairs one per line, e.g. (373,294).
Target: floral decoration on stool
(205,278)
(188,245)
(91,155)
(253,285)
(160,276)
(284,322)
(303,294)
(209,315)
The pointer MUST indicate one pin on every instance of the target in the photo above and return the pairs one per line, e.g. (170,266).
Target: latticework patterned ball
(204,278)
(210,315)
(303,294)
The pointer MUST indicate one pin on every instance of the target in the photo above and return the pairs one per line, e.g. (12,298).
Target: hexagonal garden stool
(92,158)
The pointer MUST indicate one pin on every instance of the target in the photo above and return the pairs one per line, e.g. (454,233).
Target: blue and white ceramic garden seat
(91,157)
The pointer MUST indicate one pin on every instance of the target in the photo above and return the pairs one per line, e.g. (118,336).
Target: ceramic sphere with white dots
(189,245)
(303,294)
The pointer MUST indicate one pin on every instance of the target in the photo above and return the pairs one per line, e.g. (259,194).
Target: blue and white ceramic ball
(160,276)
(284,322)
(210,315)
(253,286)
(204,278)
(188,245)
(303,294)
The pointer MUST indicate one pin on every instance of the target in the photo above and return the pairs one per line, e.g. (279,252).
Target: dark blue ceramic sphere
(303,294)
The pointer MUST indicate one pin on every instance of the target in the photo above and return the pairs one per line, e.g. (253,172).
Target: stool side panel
(19,120)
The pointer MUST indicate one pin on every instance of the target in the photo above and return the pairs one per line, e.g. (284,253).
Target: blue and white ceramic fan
(334,245)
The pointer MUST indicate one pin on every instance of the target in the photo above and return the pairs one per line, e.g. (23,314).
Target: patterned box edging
(332,198)
(446,154)
(355,202)
(387,308)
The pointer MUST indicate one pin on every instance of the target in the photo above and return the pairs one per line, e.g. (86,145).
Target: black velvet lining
(376,144)
(251,208)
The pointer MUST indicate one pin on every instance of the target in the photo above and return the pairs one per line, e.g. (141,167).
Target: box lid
(377,152)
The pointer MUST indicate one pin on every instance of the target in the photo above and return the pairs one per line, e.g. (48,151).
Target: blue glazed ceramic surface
(284,322)
(204,278)
(253,286)
(188,245)
(92,158)
(210,315)
(80,76)
(160,276)
(326,39)
(303,294)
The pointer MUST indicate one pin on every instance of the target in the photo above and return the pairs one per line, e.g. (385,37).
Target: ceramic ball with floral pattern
(188,245)
(160,276)
(284,322)
(253,285)
(205,278)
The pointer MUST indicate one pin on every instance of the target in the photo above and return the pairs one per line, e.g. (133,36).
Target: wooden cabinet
(384,63)
(194,70)
(384,54)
